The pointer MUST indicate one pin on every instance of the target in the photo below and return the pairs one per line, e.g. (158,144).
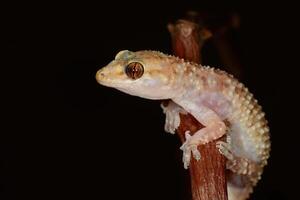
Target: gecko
(213,97)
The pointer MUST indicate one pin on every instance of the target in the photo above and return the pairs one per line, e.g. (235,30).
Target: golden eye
(134,70)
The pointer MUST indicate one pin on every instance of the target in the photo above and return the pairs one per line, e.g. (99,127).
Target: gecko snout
(100,75)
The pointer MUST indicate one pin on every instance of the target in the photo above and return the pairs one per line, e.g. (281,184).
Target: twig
(208,178)
(188,39)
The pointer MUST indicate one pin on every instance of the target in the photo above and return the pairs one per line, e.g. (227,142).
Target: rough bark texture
(208,178)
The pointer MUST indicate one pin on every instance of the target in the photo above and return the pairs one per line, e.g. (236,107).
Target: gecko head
(143,73)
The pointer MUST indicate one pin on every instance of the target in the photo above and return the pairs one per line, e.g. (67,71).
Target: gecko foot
(189,149)
(172,111)
(237,164)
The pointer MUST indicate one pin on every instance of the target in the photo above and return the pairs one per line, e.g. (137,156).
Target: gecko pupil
(134,70)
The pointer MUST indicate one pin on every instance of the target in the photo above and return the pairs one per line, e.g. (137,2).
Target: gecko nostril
(100,75)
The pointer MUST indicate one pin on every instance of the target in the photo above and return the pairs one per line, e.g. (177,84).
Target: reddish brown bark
(188,39)
(208,178)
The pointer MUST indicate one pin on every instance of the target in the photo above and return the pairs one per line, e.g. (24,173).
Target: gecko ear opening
(125,54)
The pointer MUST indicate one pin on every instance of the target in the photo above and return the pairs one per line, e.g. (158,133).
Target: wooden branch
(188,39)
(208,178)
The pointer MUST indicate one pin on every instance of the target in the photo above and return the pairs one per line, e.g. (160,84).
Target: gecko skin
(212,96)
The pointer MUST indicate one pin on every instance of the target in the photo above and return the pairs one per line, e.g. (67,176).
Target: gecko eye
(134,70)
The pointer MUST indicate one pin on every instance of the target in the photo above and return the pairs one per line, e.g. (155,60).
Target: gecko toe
(196,152)
(225,149)
(186,158)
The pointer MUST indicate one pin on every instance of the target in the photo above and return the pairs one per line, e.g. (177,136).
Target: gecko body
(212,96)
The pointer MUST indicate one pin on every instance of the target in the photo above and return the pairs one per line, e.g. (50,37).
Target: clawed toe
(196,153)
(225,149)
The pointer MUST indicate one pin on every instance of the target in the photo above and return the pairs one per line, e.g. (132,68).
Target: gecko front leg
(214,129)
(172,111)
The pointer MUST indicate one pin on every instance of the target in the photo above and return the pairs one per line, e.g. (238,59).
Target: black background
(68,137)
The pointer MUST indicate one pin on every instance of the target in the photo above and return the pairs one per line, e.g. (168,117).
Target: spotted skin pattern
(215,98)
